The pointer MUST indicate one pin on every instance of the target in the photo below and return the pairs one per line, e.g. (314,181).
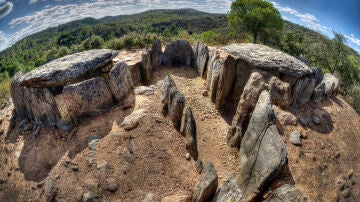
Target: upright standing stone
(229,191)
(262,153)
(176,106)
(214,55)
(90,97)
(35,104)
(189,130)
(164,87)
(226,82)
(178,53)
(252,90)
(302,91)
(201,54)
(146,67)
(206,188)
(156,54)
(120,82)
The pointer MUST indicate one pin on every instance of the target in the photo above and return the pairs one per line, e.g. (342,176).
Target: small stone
(75,168)
(158,119)
(199,166)
(149,198)
(188,157)
(101,165)
(144,90)
(177,198)
(295,138)
(92,142)
(346,193)
(111,185)
(303,122)
(28,127)
(350,174)
(337,155)
(316,120)
(89,196)
(322,145)
(205,93)
(1,132)
(132,121)
(1,120)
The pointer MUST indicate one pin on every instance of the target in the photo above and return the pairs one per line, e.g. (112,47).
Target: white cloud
(308,19)
(5,9)
(353,39)
(56,15)
(32,1)
(353,42)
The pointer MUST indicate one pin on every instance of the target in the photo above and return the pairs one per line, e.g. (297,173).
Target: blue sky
(20,18)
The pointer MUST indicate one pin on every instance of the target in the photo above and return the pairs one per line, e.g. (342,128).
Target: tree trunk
(255,38)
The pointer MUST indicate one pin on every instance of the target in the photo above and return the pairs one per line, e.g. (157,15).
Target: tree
(256,16)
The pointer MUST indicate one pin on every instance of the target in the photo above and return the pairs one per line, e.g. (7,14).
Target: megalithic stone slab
(66,69)
(262,153)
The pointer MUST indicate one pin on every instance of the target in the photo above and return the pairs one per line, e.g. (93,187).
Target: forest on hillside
(140,30)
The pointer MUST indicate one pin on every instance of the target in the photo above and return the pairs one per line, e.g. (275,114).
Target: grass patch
(5,89)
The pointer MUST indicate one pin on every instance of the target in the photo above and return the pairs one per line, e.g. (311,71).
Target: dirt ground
(147,159)
(151,157)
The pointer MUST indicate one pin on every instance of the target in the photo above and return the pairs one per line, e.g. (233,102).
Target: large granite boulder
(280,92)
(35,104)
(178,53)
(120,81)
(268,59)
(206,188)
(286,193)
(331,84)
(189,131)
(68,69)
(146,67)
(229,191)
(156,54)
(201,55)
(252,90)
(262,153)
(90,97)
(176,106)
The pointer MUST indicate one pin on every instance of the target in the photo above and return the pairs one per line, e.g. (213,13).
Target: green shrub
(209,37)
(94,42)
(353,98)
(63,51)
(132,40)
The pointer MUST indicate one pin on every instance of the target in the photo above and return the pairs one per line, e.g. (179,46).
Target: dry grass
(5,89)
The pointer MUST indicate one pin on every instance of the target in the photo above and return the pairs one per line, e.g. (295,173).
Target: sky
(20,18)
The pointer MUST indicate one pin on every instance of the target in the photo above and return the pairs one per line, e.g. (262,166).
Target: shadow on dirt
(313,116)
(39,154)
